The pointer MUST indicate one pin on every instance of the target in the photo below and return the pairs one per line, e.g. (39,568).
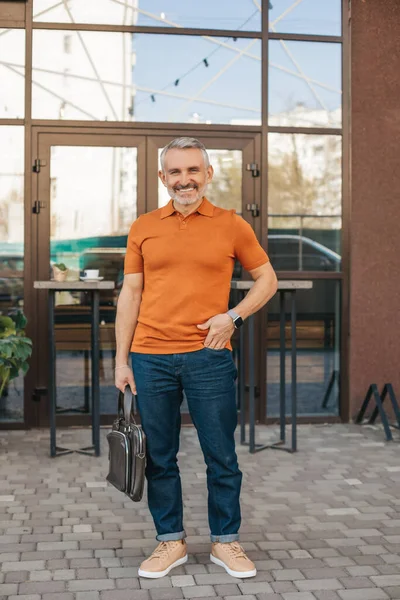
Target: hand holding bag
(127,450)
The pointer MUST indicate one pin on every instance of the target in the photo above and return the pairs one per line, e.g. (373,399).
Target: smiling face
(185,175)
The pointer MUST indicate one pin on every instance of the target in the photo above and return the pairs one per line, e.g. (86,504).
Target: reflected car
(298,253)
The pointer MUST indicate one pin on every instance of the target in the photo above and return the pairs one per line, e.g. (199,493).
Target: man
(173,317)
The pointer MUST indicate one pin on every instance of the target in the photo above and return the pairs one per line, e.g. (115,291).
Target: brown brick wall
(375,211)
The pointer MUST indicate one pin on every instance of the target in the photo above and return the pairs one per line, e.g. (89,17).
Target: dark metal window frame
(17,22)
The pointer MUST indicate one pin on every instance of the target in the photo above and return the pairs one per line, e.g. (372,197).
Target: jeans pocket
(215,350)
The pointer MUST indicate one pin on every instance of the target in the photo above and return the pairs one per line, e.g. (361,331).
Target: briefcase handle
(125,406)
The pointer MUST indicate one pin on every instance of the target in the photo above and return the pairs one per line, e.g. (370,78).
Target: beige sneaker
(165,557)
(233,558)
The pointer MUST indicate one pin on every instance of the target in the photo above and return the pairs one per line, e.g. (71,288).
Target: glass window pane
(318,351)
(306,16)
(208,14)
(12,73)
(91,214)
(225,190)
(87,75)
(304,202)
(305,84)
(228,90)
(116,76)
(12,250)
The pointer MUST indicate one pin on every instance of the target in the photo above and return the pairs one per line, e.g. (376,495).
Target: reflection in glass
(298,249)
(87,75)
(305,84)
(91,214)
(123,77)
(223,14)
(175,85)
(306,16)
(12,250)
(304,201)
(225,190)
(318,351)
(12,73)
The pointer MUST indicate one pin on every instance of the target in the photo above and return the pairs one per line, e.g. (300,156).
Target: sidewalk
(322,524)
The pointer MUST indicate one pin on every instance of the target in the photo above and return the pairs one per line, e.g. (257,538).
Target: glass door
(89,186)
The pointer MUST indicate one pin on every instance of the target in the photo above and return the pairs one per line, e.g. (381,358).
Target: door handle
(38,392)
(254,168)
(254,209)
(37,206)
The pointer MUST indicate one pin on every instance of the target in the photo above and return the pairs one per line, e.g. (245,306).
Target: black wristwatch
(237,319)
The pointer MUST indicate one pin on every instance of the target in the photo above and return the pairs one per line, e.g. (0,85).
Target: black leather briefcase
(127,450)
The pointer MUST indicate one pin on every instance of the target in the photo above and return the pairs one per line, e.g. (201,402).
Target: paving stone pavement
(323,524)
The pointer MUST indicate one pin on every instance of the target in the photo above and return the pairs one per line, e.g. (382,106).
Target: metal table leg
(94,450)
(95,372)
(253,446)
(252,399)
(294,375)
(52,375)
(282,379)
(280,445)
(54,449)
(86,358)
(242,391)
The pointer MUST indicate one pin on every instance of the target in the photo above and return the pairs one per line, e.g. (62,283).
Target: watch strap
(237,319)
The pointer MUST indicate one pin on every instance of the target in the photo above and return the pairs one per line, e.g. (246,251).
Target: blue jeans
(208,379)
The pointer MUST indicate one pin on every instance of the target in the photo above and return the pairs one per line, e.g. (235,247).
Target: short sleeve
(134,256)
(247,247)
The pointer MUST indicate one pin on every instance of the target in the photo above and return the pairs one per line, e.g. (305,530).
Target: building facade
(91,91)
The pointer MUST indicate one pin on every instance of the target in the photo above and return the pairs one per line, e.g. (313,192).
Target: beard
(176,197)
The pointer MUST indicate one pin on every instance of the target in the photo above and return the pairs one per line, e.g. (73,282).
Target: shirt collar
(205,208)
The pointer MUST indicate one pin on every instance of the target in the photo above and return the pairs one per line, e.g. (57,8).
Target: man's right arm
(125,323)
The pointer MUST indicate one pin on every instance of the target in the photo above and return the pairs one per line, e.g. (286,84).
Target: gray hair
(185,143)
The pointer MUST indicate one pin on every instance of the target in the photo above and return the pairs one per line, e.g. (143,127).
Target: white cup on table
(91,273)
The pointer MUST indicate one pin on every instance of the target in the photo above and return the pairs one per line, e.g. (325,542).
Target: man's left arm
(265,286)
(221,326)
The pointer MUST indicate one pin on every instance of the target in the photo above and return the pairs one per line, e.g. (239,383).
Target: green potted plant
(15,347)
(60,272)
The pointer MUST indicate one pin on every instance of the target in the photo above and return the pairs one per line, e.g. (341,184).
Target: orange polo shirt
(187,264)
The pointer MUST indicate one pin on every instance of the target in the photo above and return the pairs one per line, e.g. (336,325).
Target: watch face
(238,322)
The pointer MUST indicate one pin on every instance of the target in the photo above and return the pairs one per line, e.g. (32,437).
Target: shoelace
(236,550)
(161,550)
